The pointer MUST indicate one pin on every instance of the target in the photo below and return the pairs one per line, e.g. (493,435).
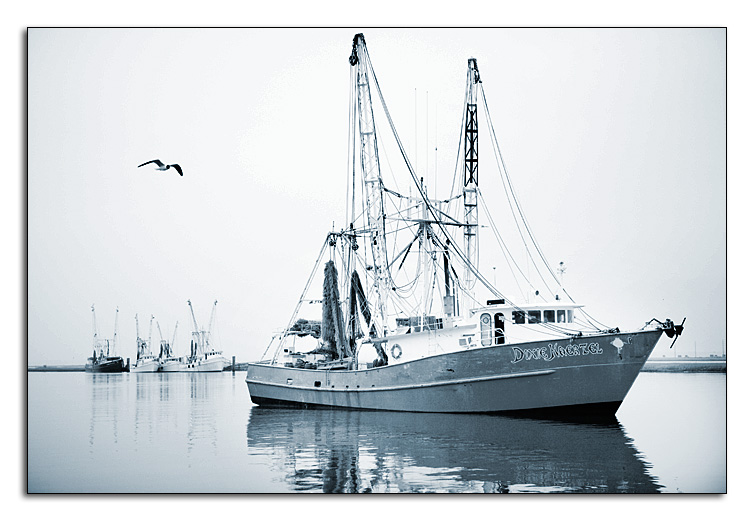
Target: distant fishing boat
(169,363)
(146,362)
(104,359)
(203,357)
(416,336)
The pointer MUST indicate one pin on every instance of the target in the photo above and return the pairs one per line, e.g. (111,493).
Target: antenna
(416,125)
(561,271)
(115,334)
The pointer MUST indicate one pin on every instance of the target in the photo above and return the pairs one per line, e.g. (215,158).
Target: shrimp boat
(415,335)
(103,360)
(204,357)
(146,362)
(169,363)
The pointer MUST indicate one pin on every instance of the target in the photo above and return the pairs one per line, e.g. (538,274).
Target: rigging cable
(506,253)
(460,142)
(499,160)
(301,299)
(451,242)
(523,217)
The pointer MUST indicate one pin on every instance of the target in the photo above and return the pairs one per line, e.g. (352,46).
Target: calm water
(186,432)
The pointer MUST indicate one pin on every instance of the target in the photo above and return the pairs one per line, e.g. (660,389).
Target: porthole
(485,325)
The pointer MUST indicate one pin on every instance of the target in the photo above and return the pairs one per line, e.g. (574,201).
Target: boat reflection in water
(378,451)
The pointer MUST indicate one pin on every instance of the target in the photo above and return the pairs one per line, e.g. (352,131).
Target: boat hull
(212,364)
(109,365)
(171,366)
(147,366)
(591,373)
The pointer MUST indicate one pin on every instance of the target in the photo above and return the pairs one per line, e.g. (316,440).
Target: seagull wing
(155,161)
(178,167)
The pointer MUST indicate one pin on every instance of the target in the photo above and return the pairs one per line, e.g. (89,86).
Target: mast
(172,343)
(370,165)
(115,334)
(138,338)
(149,342)
(211,321)
(448,301)
(425,243)
(162,340)
(196,326)
(195,333)
(470,178)
(94,327)
(212,315)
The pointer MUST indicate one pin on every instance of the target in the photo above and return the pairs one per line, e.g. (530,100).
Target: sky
(615,141)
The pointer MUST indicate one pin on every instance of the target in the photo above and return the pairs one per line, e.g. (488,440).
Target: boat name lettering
(555,351)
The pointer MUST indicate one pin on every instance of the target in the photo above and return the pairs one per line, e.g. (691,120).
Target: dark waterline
(185,432)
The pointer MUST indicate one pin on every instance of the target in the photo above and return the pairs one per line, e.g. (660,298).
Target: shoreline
(81,369)
(653,365)
(714,364)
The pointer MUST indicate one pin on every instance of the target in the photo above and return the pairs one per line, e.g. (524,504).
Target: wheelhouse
(504,323)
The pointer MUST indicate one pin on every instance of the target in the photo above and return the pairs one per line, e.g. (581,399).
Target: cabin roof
(557,304)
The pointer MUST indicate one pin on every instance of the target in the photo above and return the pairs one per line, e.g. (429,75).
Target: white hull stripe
(411,386)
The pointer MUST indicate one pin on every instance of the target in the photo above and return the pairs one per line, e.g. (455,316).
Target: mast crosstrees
(370,165)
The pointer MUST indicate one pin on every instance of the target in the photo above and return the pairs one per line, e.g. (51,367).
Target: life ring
(396,351)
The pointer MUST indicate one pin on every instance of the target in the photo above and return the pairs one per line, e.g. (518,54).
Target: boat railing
(419,324)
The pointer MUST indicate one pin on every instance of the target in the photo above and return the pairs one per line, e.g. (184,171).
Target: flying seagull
(162,166)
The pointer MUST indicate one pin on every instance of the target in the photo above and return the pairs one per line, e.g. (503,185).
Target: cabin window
(561,315)
(317,383)
(485,325)
(519,317)
(570,315)
(499,329)
(535,317)
(549,315)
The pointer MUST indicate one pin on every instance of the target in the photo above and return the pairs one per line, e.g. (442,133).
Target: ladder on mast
(471,173)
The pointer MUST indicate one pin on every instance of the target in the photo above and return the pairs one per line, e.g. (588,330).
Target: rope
(506,253)
(300,301)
